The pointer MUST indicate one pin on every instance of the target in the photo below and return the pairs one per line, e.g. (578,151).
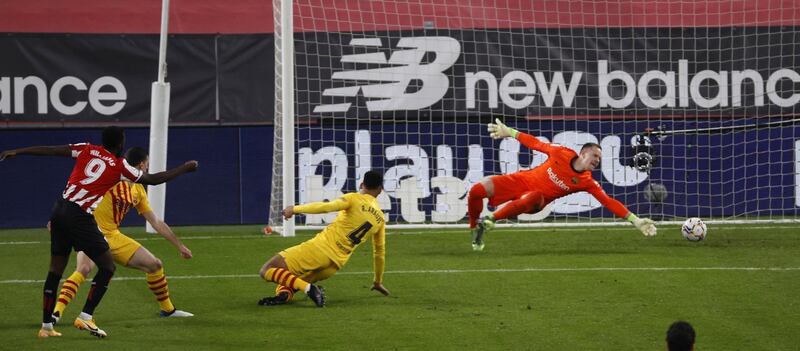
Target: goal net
(693,102)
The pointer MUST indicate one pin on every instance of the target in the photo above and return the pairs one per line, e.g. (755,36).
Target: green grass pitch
(605,288)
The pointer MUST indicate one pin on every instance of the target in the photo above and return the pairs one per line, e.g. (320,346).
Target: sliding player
(298,267)
(564,173)
(126,251)
(97,169)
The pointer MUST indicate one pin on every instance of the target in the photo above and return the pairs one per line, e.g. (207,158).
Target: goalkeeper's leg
(531,202)
(499,189)
(477,193)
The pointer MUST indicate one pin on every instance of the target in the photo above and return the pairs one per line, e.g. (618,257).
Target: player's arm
(379,260)
(164,230)
(339,204)
(163,177)
(498,130)
(60,150)
(645,225)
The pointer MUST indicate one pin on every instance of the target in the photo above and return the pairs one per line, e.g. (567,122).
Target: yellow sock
(283,277)
(157,282)
(280,288)
(68,291)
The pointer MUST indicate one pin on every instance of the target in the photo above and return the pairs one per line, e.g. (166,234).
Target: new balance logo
(389,92)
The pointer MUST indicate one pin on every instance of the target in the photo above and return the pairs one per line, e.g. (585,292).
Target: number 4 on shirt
(357,234)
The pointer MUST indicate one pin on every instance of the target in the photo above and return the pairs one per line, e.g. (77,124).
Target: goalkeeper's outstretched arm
(498,130)
(645,225)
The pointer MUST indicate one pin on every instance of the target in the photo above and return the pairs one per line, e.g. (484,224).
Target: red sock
(528,203)
(475,203)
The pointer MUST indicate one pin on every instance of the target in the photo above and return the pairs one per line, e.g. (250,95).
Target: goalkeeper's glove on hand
(645,225)
(498,130)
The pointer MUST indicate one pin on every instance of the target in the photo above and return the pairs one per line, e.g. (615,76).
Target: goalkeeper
(529,191)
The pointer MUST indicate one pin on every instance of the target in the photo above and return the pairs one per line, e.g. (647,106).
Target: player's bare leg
(145,261)
(276,270)
(478,192)
(70,287)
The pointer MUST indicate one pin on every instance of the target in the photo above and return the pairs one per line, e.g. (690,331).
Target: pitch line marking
(438,232)
(452,271)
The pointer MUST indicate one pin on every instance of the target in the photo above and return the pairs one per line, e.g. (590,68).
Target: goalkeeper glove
(645,225)
(498,130)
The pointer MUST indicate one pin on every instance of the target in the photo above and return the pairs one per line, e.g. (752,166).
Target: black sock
(99,287)
(50,295)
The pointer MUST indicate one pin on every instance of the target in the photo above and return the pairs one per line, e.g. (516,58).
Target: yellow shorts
(122,247)
(308,262)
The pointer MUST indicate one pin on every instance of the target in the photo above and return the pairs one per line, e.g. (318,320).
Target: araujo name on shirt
(555,179)
(109,160)
(374,212)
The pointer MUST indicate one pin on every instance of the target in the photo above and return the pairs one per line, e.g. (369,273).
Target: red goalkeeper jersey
(556,178)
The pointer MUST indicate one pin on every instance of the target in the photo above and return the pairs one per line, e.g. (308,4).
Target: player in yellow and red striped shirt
(116,203)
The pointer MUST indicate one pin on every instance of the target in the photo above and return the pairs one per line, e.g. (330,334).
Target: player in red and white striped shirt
(97,169)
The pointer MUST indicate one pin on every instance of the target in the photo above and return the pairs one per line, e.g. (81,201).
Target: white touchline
(451,271)
(439,232)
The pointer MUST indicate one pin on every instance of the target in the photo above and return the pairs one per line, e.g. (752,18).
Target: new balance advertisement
(559,73)
(60,79)
(79,80)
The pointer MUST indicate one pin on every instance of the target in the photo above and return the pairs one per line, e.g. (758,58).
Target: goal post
(159,122)
(283,172)
(695,105)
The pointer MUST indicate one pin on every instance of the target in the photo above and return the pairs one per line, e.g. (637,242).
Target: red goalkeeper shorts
(507,187)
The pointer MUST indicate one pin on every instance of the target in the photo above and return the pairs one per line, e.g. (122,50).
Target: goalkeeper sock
(281,276)
(475,203)
(529,203)
(68,291)
(157,282)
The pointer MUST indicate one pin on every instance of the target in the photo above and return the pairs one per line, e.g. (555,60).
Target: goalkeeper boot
(484,225)
(279,299)
(316,294)
(84,324)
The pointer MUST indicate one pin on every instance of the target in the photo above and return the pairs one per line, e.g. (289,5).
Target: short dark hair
(680,336)
(591,145)
(373,180)
(136,156)
(113,138)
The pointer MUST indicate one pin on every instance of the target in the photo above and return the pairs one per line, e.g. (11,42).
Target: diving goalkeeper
(529,191)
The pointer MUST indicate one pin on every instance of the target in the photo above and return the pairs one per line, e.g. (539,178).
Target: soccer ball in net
(694,229)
